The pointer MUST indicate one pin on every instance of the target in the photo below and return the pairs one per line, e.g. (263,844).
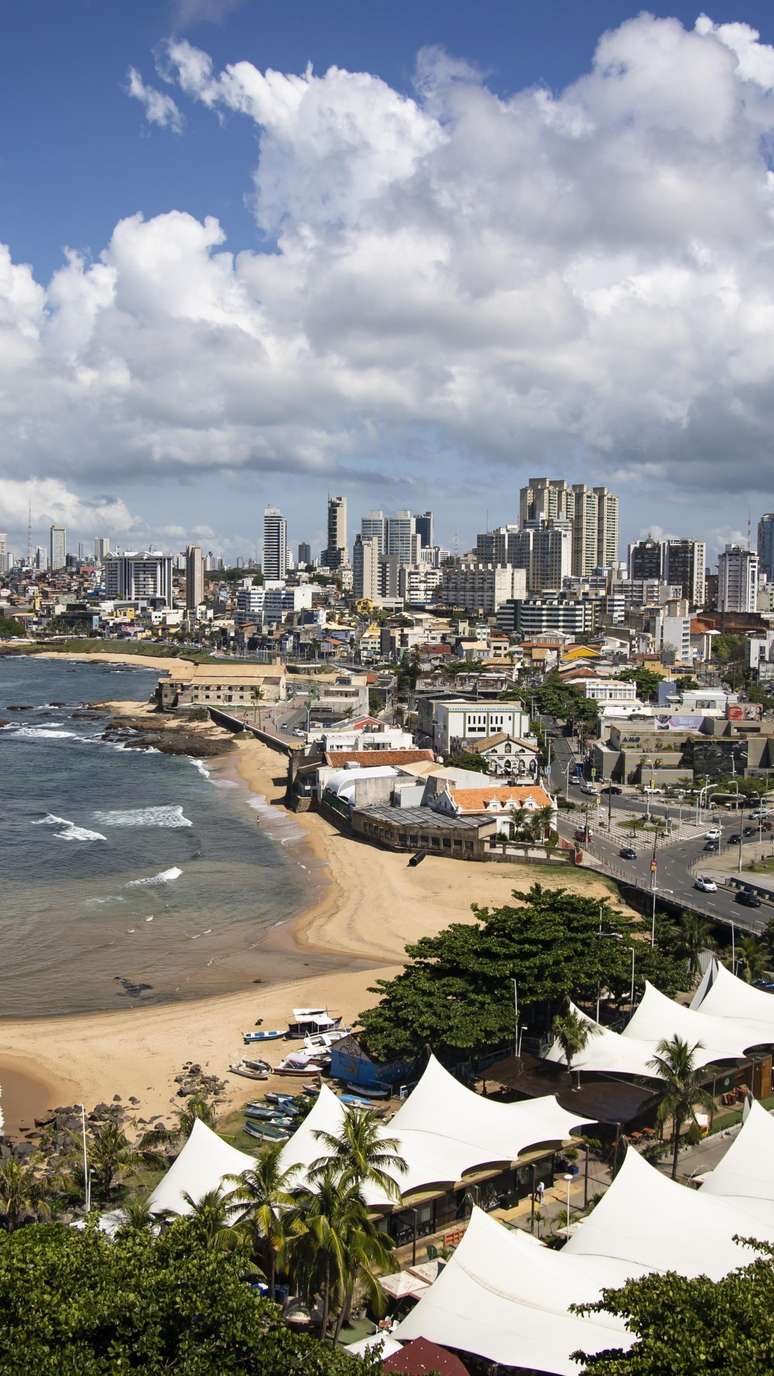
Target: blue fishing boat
(271,1036)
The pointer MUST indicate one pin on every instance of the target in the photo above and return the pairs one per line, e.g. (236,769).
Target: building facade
(335,553)
(194,577)
(57,547)
(275,544)
(139,577)
(737,580)
(365,567)
(373,526)
(685,562)
(482,587)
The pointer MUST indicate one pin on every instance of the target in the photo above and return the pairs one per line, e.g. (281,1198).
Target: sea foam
(168,816)
(69,832)
(164,877)
(42,733)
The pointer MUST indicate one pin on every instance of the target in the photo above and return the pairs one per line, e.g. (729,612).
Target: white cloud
(159,107)
(49,501)
(456,282)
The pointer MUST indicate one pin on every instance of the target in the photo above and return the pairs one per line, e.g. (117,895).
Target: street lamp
(86,1171)
(631,1000)
(568,1179)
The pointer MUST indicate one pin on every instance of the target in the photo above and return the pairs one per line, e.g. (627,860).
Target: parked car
(749,831)
(734,839)
(590,789)
(713,846)
(748,898)
(612,789)
(705,884)
(628,853)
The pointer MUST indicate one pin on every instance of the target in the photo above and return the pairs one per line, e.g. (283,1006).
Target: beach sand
(115,657)
(371,906)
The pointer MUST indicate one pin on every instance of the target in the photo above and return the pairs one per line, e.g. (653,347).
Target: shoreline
(343,938)
(159,662)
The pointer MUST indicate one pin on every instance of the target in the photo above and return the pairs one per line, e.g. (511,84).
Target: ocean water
(127,876)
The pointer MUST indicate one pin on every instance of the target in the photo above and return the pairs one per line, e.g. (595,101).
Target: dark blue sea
(127,877)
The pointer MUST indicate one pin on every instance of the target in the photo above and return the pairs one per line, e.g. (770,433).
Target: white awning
(505,1299)
(658,1018)
(203,1162)
(608,1052)
(723,995)
(745,1176)
(647,1221)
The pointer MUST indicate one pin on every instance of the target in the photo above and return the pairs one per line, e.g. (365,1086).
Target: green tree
(23,1196)
(691,1327)
(674,1063)
(137,1217)
(109,1152)
(210,1218)
(162,1139)
(10,628)
(261,1201)
(78,1302)
(361,1154)
(455,992)
(647,682)
(573,1034)
(690,939)
(468,759)
(751,959)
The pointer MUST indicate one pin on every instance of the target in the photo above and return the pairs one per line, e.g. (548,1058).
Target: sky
(262,251)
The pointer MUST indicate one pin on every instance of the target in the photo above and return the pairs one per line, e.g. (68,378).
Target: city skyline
(196,311)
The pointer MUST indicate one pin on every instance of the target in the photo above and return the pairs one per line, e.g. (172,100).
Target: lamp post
(522,1030)
(568,1179)
(631,1000)
(86,1172)
(516,1039)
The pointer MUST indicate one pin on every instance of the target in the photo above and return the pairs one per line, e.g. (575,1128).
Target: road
(674,880)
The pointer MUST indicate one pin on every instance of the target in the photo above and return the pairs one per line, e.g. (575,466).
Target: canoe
(272,1036)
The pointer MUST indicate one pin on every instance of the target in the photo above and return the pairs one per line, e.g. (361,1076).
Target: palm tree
(22,1194)
(573,1034)
(674,1063)
(210,1217)
(337,1243)
(751,959)
(360,1154)
(262,1201)
(692,938)
(109,1151)
(161,1139)
(137,1218)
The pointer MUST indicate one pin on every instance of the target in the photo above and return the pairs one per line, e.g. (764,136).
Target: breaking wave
(168,816)
(164,877)
(69,832)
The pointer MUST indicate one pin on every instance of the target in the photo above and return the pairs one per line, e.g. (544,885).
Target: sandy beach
(114,657)
(370,907)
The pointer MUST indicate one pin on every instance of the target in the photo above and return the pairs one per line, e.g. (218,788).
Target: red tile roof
(340,758)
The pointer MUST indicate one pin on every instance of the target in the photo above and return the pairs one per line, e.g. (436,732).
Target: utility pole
(653,868)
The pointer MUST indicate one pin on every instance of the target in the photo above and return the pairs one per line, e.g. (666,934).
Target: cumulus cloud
(159,107)
(49,501)
(579,281)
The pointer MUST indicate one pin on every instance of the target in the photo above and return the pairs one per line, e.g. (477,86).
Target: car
(589,789)
(705,884)
(648,789)
(713,834)
(628,853)
(713,846)
(748,898)
(734,839)
(749,831)
(299,732)
(613,790)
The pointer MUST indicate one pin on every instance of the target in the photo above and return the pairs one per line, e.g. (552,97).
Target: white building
(482,587)
(365,566)
(139,577)
(275,544)
(249,602)
(403,543)
(604,690)
(281,601)
(57,547)
(676,636)
(101,549)
(417,583)
(374,526)
(456,720)
(737,580)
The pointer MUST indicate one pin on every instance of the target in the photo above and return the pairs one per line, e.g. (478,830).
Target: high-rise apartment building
(685,562)
(194,577)
(545,499)
(585,529)
(57,547)
(402,541)
(645,560)
(766,545)
(275,544)
(424,524)
(139,577)
(365,567)
(608,524)
(5,558)
(737,580)
(335,553)
(550,556)
(304,553)
(101,548)
(482,587)
(373,525)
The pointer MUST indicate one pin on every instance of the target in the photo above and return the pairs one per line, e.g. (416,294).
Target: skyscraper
(645,559)
(402,541)
(365,567)
(101,548)
(424,524)
(335,553)
(275,544)
(607,527)
(144,576)
(194,577)
(737,580)
(585,529)
(57,547)
(766,545)
(685,562)
(545,499)
(374,525)
(304,553)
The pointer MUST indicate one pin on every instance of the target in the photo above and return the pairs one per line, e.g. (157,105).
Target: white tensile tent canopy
(607,1051)
(507,1300)
(725,996)
(203,1162)
(658,1018)
(646,1220)
(745,1176)
(443,1131)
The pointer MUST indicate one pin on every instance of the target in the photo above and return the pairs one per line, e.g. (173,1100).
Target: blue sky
(492,312)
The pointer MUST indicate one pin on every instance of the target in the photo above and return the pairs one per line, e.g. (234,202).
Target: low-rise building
(508,756)
(223,685)
(456,721)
